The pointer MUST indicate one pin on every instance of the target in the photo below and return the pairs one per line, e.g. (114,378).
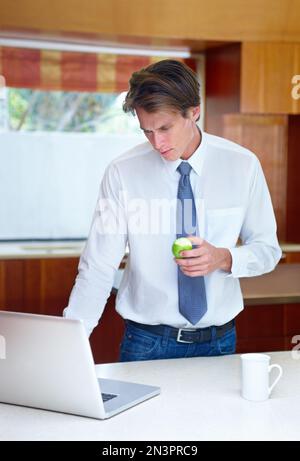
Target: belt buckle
(179,340)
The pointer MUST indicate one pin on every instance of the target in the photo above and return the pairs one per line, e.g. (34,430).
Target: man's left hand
(204,259)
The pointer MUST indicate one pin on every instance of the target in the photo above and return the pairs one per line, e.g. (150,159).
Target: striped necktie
(191,290)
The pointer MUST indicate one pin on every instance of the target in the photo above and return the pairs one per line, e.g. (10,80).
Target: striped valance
(70,71)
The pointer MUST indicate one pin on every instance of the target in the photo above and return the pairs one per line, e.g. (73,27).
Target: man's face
(171,135)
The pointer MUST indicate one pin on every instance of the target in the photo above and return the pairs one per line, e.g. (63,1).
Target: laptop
(46,362)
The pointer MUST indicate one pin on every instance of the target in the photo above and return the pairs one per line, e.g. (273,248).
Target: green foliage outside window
(34,110)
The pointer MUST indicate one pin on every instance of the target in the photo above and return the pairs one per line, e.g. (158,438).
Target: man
(212,191)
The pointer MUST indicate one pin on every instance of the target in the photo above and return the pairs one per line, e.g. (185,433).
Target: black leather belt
(185,335)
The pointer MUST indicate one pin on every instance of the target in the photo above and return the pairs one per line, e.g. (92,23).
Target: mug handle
(278,377)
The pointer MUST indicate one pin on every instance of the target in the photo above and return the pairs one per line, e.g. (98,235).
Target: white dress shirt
(137,207)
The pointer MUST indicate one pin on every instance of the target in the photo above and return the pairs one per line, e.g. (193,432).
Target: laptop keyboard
(106,397)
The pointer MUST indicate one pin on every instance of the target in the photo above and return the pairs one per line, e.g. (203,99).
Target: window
(55,152)
(66,111)
(61,124)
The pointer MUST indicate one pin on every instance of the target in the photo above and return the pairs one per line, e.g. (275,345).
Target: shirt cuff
(239,262)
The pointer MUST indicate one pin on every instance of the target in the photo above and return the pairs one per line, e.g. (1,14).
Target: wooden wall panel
(293,185)
(266,136)
(199,19)
(266,78)
(274,137)
(222,86)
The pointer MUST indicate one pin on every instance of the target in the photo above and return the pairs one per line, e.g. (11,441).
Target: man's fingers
(196,273)
(195,240)
(193,253)
(187,262)
(199,267)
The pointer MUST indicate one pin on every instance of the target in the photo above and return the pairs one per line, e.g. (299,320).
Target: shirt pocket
(223,225)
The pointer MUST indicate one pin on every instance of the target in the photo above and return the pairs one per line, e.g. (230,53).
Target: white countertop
(290,247)
(70,249)
(281,286)
(37,250)
(200,400)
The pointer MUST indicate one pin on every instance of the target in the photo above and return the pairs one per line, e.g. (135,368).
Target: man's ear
(196,113)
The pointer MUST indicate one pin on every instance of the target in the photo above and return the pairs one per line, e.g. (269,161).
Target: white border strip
(65,46)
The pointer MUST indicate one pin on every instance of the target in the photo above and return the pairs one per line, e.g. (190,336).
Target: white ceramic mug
(255,376)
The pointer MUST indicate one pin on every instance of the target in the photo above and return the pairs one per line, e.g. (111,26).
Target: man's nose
(158,141)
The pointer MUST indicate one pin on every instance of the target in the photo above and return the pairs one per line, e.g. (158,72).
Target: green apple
(181,244)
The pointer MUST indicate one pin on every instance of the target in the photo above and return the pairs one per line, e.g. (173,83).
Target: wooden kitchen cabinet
(268,328)
(43,286)
(292,258)
(261,328)
(40,286)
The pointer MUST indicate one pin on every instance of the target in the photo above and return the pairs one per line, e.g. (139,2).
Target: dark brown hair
(166,84)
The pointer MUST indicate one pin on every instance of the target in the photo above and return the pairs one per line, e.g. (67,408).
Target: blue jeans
(139,344)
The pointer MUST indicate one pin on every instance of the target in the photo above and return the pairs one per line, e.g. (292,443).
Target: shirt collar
(196,160)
